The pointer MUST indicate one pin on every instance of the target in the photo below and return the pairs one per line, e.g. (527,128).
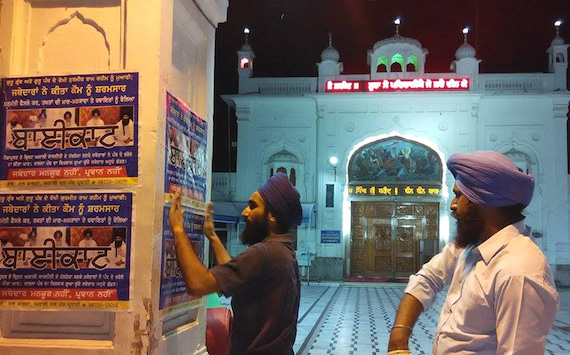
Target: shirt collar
(283,238)
(499,240)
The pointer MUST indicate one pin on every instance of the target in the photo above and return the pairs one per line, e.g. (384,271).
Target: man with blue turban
(263,280)
(501,298)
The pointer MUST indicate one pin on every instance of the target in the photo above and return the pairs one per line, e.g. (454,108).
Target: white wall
(171,44)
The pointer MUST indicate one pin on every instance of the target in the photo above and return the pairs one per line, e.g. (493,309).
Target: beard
(255,231)
(469,228)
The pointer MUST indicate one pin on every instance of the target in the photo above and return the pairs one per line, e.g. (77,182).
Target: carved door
(392,240)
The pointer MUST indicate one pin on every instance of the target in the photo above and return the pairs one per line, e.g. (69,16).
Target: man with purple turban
(501,298)
(263,280)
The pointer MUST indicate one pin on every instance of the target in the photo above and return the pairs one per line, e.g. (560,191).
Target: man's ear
(271,217)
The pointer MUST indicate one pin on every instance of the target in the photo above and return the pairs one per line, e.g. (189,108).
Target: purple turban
(489,178)
(282,200)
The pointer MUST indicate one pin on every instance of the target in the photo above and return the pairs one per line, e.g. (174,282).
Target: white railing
(516,82)
(222,186)
(281,86)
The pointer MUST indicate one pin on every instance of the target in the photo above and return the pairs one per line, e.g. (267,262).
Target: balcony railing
(516,82)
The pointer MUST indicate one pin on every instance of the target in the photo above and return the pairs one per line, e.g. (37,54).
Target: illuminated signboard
(384,85)
(393,190)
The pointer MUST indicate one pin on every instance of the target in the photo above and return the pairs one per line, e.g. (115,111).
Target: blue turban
(282,200)
(489,178)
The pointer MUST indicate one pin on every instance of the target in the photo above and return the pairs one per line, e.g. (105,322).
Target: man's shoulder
(522,257)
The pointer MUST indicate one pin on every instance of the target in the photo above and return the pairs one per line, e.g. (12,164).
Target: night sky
(288,36)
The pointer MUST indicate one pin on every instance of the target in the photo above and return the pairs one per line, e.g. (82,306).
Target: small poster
(330,236)
(173,295)
(186,154)
(65,250)
(74,130)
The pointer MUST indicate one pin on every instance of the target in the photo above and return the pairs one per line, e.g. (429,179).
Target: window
(412,65)
(329,195)
(382,64)
(286,163)
(397,63)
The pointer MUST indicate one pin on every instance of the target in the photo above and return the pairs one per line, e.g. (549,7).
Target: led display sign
(385,85)
(393,190)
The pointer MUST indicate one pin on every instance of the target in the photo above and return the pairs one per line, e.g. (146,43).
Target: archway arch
(395,159)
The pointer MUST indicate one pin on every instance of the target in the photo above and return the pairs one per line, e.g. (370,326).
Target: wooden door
(392,240)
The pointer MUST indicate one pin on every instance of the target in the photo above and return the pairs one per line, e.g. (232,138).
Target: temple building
(367,153)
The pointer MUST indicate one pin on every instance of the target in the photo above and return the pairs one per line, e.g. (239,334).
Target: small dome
(330,53)
(557,40)
(246,47)
(465,51)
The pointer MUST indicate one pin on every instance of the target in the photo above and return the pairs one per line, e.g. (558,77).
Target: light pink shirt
(506,304)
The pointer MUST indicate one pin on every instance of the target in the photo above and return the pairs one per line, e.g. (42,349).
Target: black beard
(469,228)
(13,123)
(255,231)
(118,243)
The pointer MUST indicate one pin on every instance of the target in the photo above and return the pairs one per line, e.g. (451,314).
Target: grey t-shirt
(264,284)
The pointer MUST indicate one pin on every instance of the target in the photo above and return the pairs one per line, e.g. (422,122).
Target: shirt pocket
(475,314)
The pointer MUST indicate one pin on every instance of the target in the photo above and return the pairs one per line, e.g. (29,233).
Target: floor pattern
(356,319)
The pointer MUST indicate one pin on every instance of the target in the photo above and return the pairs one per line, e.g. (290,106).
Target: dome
(330,53)
(397,39)
(465,51)
(246,47)
(557,40)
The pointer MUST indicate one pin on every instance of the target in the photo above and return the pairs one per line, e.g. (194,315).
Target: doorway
(392,239)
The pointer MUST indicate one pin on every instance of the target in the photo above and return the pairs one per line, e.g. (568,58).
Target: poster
(186,154)
(173,295)
(65,250)
(74,130)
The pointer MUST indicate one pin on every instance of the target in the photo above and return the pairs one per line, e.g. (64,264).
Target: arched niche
(395,159)
(77,44)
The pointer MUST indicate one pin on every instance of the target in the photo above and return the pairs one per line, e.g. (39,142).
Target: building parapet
(279,86)
(499,83)
(536,82)
(222,186)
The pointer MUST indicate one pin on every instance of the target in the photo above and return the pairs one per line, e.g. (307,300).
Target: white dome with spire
(398,40)
(557,40)
(330,53)
(465,51)
(246,47)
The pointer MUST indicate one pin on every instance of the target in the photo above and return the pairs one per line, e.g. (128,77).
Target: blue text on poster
(73,130)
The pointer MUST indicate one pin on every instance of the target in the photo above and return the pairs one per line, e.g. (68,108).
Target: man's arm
(198,280)
(408,313)
(220,252)
(525,312)
(420,294)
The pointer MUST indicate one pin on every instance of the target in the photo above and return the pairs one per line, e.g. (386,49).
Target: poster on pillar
(65,250)
(173,295)
(186,154)
(69,131)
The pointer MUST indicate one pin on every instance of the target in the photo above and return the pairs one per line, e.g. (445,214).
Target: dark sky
(287,36)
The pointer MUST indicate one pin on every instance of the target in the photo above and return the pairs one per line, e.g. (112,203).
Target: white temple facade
(383,209)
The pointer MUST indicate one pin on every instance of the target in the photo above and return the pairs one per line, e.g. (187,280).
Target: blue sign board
(330,237)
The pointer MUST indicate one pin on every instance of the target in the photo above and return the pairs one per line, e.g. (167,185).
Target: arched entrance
(394,188)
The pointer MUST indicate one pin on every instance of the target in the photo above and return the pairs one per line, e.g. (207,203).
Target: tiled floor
(356,318)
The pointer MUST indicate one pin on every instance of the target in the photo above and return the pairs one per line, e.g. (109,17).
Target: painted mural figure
(502,298)
(263,280)
(395,159)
